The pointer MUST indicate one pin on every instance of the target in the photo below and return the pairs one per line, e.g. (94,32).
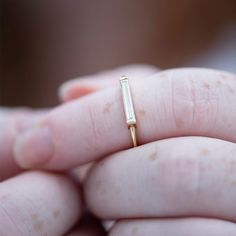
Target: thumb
(12,123)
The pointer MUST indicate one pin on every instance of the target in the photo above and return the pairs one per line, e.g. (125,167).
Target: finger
(37,203)
(172,103)
(12,123)
(176,227)
(82,86)
(185,176)
(80,172)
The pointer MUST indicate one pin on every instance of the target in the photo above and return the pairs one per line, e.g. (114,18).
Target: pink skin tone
(196,102)
(86,85)
(189,181)
(12,123)
(39,203)
(175,170)
(181,179)
(34,203)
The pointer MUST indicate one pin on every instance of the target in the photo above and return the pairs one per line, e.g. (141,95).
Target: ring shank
(132,129)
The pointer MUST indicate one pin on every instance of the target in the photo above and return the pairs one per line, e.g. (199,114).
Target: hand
(178,180)
(34,202)
(12,123)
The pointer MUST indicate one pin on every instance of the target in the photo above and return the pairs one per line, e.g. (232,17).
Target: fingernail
(72,91)
(63,90)
(34,148)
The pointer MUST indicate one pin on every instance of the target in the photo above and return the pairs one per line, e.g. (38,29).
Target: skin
(185,159)
(28,203)
(180,197)
(196,102)
(12,123)
(36,202)
(178,227)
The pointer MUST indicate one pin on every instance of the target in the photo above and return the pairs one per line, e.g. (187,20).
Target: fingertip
(75,89)
(34,148)
(63,90)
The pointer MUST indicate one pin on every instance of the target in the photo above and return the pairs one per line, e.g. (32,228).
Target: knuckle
(194,102)
(94,127)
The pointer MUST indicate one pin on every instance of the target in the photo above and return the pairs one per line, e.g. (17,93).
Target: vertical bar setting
(127,100)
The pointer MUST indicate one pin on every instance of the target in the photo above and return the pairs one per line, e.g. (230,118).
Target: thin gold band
(129,108)
(132,129)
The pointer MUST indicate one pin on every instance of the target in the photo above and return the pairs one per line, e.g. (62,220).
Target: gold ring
(129,108)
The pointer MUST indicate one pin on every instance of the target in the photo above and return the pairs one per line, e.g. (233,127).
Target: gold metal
(129,108)
(132,129)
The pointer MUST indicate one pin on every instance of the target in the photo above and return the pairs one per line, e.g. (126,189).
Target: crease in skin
(7,198)
(193,100)
(198,173)
(33,223)
(11,219)
(93,127)
(182,106)
(173,102)
(35,214)
(85,85)
(36,221)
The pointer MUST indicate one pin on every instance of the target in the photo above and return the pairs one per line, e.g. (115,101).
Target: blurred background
(46,42)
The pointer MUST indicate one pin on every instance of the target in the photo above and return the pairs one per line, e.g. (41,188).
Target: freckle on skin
(206,85)
(204,152)
(141,113)
(179,123)
(34,217)
(162,75)
(153,156)
(37,223)
(107,107)
(99,186)
(38,226)
(56,213)
(218,82)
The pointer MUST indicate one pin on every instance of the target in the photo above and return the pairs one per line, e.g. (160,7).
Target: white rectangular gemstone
(127,100)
